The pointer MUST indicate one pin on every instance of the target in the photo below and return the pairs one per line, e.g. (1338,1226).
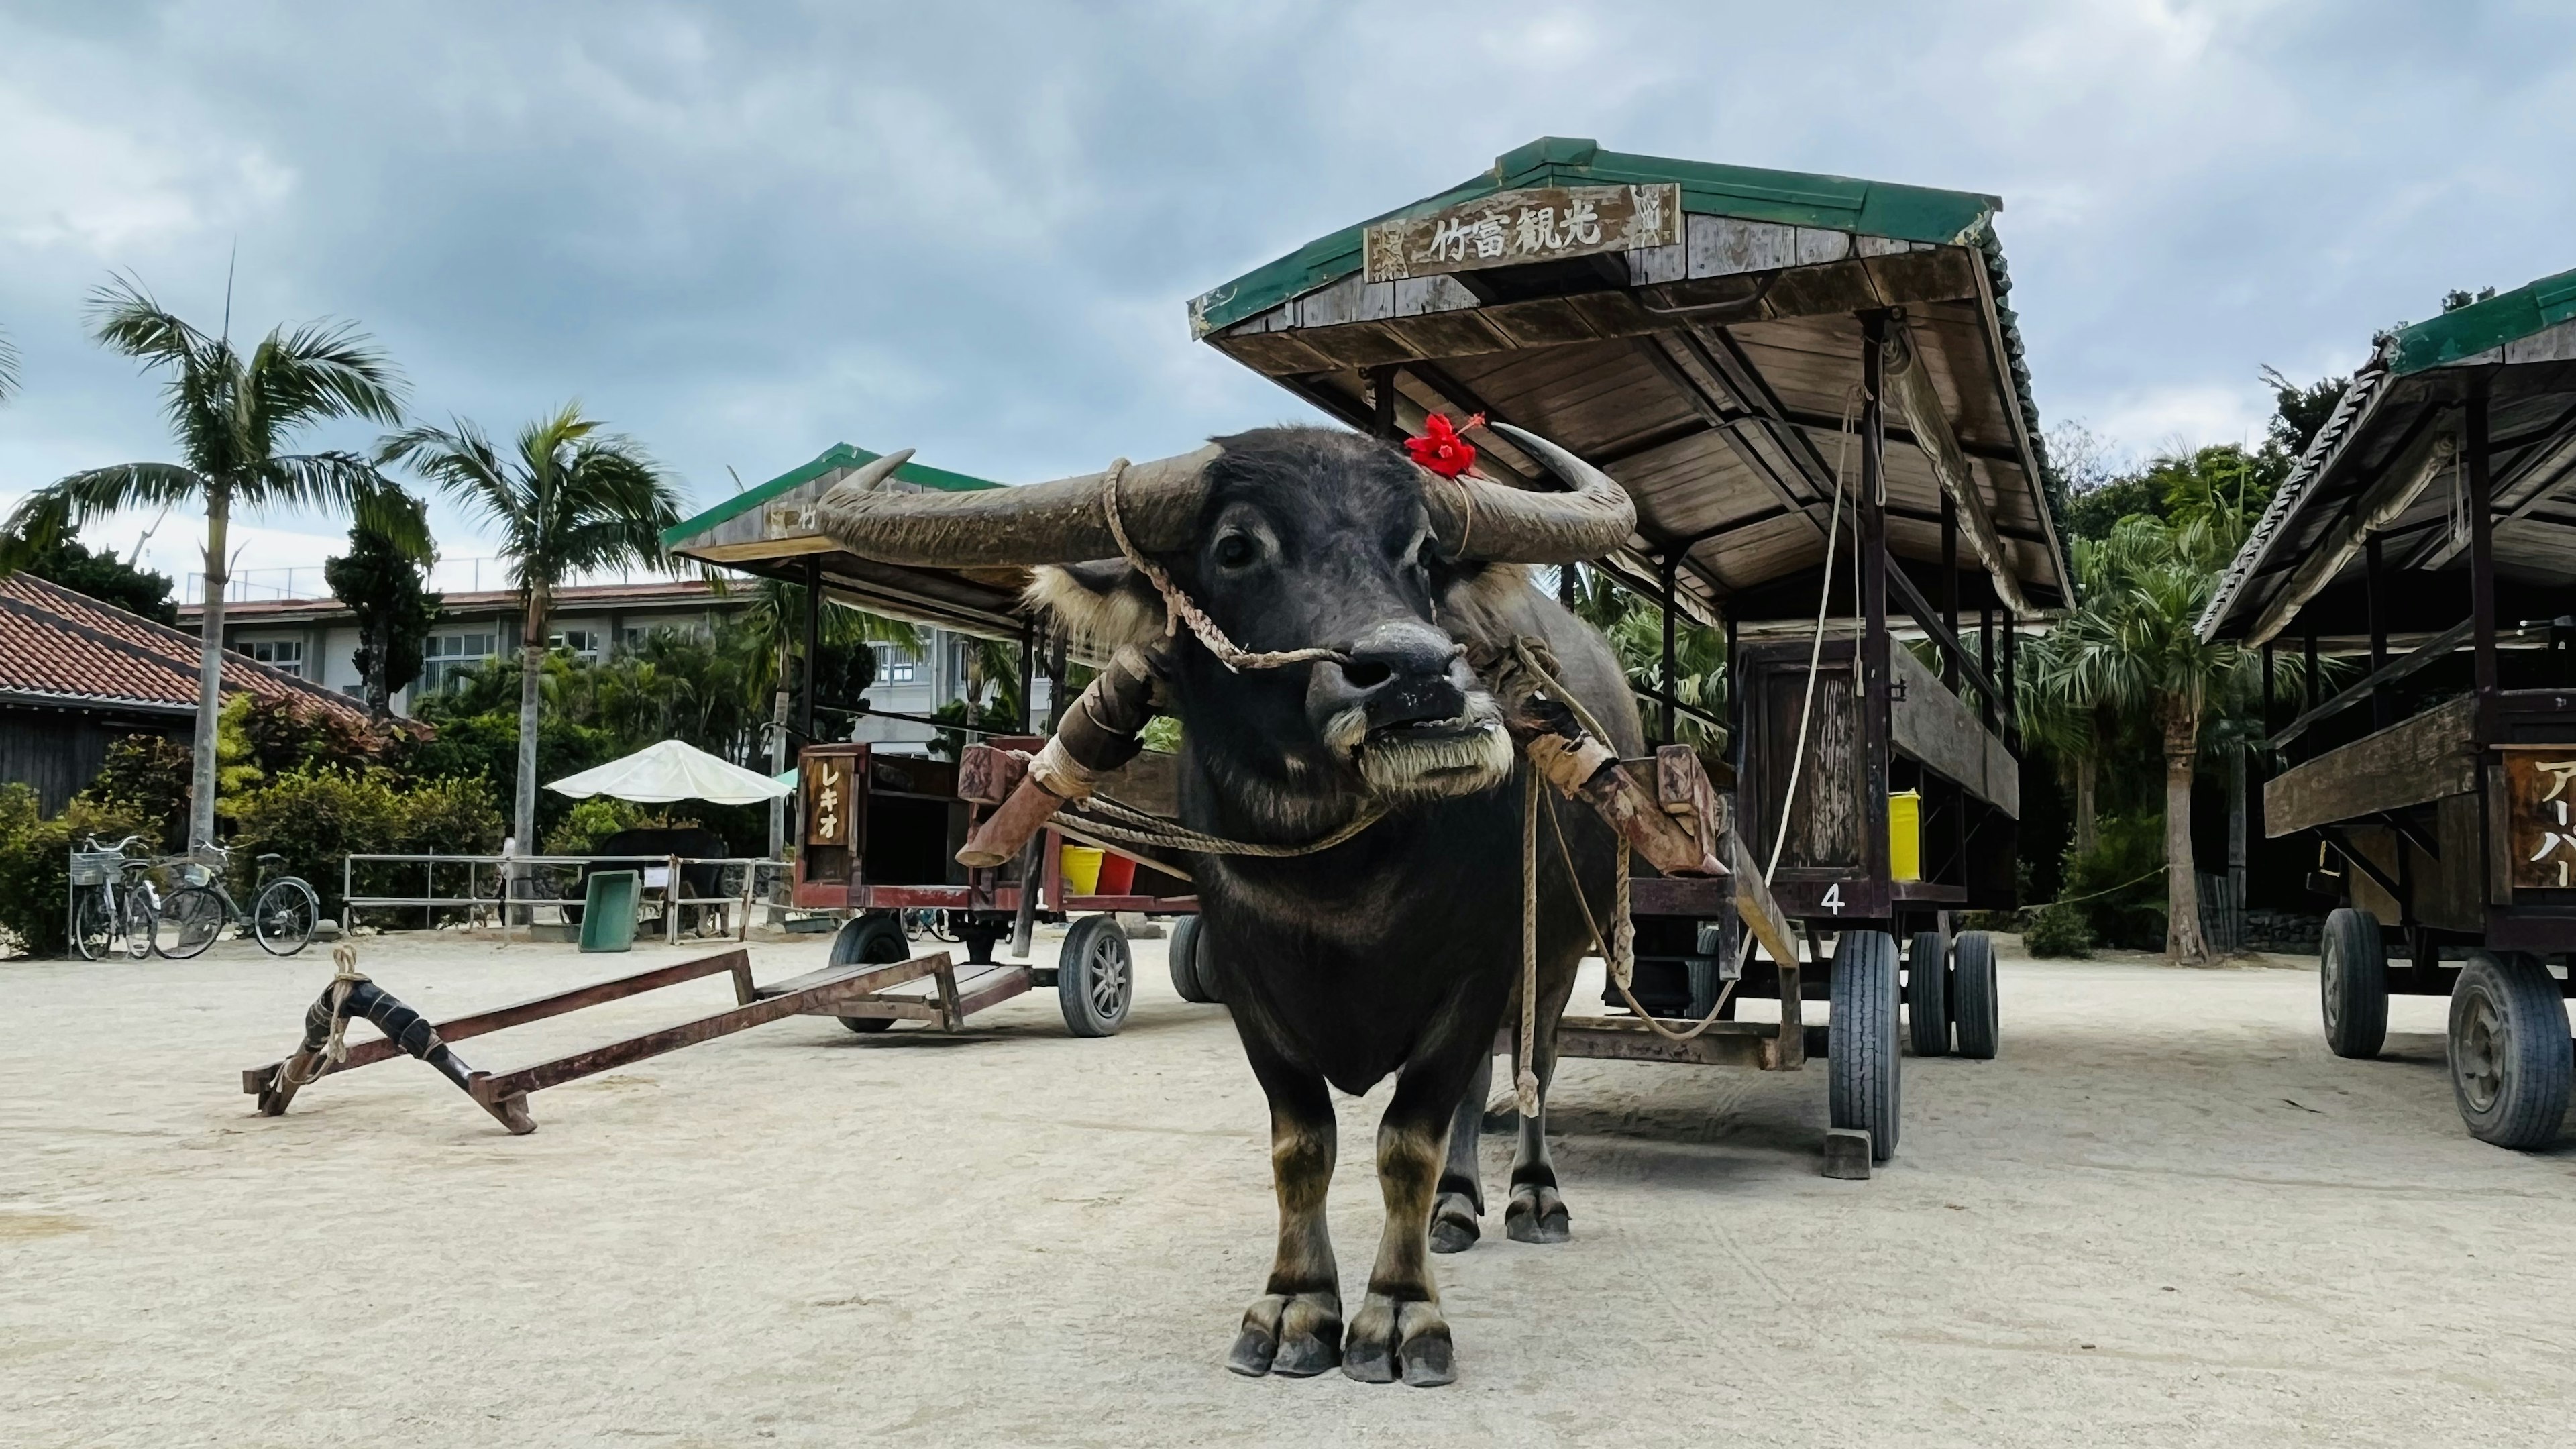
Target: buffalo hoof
(1391,1340)
(1298,1336)
(1454,1223)
(1536,1214)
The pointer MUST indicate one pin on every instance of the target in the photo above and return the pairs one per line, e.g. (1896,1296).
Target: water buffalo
(1400,950)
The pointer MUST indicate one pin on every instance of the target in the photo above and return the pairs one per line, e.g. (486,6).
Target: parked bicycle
(283,911)
(113,906)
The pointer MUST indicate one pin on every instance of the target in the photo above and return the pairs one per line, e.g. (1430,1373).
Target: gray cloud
(745,232)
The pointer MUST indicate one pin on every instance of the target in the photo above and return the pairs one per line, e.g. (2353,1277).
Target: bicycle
(113,906)
(281,917)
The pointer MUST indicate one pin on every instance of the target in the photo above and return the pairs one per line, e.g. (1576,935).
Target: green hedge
(317,817)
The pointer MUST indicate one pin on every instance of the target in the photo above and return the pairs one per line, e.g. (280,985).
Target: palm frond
(316,371)
(8,368)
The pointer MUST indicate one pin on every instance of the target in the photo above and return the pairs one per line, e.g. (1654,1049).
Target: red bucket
(1117,875)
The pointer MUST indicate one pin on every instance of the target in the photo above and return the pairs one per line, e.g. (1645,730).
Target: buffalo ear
(1104,603)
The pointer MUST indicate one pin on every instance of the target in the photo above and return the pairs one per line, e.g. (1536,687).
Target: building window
(444,656)
(286,654)
(581,643)
(894,665)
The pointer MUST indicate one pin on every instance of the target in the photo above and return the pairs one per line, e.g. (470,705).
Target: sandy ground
(2165,1216)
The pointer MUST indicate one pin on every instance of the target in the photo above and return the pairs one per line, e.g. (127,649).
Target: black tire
(871,940)
(136,916)
(1095,977)
(93,928)
(1973,999)
(1189,969)
(1864,1076)
(189,921)
(2352,983)
(2508,1048)
(283,916)
(1927,996)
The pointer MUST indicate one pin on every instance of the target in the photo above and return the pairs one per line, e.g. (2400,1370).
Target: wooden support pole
(1986,657)
(1871,537)
(2010,705)
(1028,674)
(1055,678)
(1672,565)
(1950,581)
(1382,402)
(2481,539)
(813,643)
(2375,589)
(2309,644)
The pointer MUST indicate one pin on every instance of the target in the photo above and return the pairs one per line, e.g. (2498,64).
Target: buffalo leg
(1295,1326)
(1399,1329)
(1536,1212)
(1457,1213)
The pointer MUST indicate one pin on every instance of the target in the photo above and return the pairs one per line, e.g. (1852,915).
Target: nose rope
(1178,610)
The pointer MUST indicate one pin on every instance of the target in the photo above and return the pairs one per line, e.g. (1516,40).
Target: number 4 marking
(1834,898)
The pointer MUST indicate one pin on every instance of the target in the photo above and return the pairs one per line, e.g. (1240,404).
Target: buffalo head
(1287,538)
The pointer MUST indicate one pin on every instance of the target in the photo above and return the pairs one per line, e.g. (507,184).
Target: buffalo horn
(1482,520)
(1038,523)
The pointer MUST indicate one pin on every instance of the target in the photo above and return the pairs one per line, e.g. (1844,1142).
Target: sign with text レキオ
(1535,224)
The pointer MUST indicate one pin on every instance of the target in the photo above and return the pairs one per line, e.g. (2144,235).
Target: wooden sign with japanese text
(827,799)
(1536,224)
(2540,816)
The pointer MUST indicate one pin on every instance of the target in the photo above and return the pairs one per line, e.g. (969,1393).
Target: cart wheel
(1095,977)
(870,940)
(1189,968)
(1972,995)
(1927,996)
(282,917)
(2352,977)
(2509,1050)
(1864,1087)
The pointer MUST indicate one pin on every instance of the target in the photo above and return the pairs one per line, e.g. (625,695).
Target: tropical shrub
(35,865)
(592,821)
(2057,930)
(317,818)
(146,777)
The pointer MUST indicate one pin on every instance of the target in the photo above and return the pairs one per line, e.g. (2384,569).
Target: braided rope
(1135,827)
(1525,1083)
(1177,606)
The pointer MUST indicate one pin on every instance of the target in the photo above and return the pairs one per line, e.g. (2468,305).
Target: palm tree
(232,414)
(574,499)
(2134,646)
(8,368)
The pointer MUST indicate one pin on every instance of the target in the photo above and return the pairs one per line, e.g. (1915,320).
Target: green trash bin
(608,911)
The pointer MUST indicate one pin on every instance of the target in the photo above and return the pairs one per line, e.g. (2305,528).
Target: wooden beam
(1909,384)
(1875,679)
(1934,728)
(1953,653)
(2481,540)
(2376,507)
(2414,760)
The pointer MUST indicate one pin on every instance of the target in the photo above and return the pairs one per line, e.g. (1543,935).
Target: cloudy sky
(743,232)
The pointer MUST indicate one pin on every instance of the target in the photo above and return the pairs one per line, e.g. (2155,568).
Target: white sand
(2165,1216)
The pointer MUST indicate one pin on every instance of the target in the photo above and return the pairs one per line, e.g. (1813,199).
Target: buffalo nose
(1399,675)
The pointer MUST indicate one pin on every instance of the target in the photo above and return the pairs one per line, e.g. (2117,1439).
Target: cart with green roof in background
(2425,531)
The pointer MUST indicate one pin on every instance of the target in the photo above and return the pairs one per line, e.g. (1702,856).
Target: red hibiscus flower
(1440,449)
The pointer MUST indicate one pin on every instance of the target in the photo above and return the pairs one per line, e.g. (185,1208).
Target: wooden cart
(2425,531)
(1739,348)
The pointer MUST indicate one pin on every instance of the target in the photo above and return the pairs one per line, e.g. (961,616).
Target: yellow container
(1082,870)
(1905,835)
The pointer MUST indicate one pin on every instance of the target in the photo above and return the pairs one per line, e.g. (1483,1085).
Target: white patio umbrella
(669,771)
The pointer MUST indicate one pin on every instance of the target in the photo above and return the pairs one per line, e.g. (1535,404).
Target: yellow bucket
(1082,870)
(1905,835)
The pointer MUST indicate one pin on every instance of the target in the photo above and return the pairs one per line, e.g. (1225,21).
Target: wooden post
(1028,674)
(2481,541)
(1871,538)
(2375,587)
(1567,587)
(1672,565)
(1055,679)
(1950,582)
(813,644)
(1382,402)
(2310,657)
(1734,692)
(2010,705)
(1986,660)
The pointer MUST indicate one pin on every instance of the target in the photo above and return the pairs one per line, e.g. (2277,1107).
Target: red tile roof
(57,646)
(572,599)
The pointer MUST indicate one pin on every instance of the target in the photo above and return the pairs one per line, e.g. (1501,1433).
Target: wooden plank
(1937,730)
(1754,904)
(1722,246)
(491,1088)
(2415,760)
(1523,225)
(1621,1038)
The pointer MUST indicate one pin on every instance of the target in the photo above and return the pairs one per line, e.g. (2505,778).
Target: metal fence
(2222,913)
(507,890)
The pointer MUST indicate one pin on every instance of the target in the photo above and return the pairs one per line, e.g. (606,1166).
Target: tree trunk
(380,693)
(523,815)
(2236,855)
(210,674)
(2088,774)
(2183,940)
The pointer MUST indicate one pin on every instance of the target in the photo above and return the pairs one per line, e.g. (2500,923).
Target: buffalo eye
(1236,550)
